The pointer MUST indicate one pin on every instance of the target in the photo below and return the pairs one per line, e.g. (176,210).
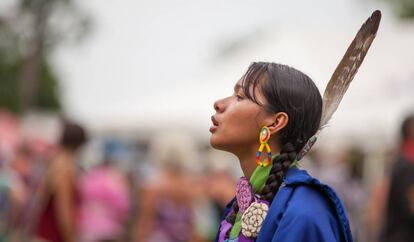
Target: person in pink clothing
(105,203)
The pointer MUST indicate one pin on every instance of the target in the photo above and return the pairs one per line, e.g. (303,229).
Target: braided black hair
(231,216)
(279,168)
(288,90)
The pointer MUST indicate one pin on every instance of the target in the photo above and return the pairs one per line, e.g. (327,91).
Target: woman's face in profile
(237,122)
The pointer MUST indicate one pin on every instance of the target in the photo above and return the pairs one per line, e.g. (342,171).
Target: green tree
(30,32)
(404,8)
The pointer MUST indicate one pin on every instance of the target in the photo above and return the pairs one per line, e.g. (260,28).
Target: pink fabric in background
(105,203)
(10,137)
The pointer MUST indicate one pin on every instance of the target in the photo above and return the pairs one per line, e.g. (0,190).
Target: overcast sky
(165,62)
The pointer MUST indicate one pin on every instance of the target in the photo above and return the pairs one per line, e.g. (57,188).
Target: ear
(277,122)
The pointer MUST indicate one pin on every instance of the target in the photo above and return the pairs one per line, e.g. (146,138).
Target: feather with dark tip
(344,73)
(348,67)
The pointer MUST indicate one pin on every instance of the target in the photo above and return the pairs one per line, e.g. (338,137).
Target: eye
(239,97)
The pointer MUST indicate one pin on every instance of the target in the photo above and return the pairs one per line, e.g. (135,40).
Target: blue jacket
(304,210)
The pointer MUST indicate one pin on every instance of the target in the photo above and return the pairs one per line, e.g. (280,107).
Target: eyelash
(238,97)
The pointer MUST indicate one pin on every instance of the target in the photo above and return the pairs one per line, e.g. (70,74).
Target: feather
(348,67)
(344,73)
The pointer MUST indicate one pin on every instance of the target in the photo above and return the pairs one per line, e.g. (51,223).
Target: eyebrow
(237,87)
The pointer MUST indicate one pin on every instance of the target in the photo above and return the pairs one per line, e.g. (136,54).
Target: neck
(247,158)
(248,164)
(67,152)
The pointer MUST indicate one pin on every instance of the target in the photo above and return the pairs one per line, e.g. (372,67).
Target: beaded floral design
(244,194)
(252,219)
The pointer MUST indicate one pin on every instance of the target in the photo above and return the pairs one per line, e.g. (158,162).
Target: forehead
(254,93)
(253,90)
(239,82)
(238,86)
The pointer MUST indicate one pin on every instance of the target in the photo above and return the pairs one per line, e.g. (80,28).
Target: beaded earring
(264,138)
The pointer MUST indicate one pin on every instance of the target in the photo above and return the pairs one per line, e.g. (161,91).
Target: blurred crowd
(171,188)
(49,191)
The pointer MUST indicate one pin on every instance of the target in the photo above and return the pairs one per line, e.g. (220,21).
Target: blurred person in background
(15,169)
(166,211)
(219,180)
(14,191)
(60,197)
(399,220)
(353,191)
(377,199)
(105,196)
(215,185)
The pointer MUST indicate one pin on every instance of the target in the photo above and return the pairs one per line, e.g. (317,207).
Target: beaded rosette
(252,219)
(253,212)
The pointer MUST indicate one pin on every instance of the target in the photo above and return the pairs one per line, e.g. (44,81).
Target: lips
(214,120)
(215,125)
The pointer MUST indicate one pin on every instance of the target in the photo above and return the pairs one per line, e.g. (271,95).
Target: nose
(218,106)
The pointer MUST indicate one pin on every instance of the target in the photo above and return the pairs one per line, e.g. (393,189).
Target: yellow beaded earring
(264,138)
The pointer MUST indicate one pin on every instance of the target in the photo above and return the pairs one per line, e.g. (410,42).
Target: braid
(231,216)
(278,171)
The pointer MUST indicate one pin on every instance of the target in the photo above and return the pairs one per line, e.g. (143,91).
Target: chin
(219,144)
(215,142)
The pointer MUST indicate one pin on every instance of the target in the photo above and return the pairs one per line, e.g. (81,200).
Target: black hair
(407,127)
(73,136)
(288,90)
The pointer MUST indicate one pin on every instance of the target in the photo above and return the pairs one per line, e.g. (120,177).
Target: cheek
(239,128)
(243,124)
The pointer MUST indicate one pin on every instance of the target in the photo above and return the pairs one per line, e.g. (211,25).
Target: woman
(275,201)
(60,195)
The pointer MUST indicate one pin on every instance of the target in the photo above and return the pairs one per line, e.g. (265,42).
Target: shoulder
(313,208)
(308,217)
(308,201)
(61,170)
(312,214)
(310,197)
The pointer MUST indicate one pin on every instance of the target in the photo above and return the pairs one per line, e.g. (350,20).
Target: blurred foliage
(404,8)
(46,96)
(30,32)
(8,87)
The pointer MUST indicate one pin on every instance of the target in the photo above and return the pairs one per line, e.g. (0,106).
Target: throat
(248,164)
